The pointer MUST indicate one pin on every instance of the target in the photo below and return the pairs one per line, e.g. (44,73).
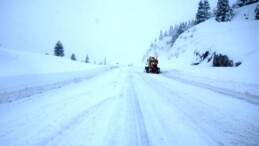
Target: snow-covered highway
(125,106)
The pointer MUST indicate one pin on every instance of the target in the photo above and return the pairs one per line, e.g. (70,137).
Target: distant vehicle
(130,65)
(152,65)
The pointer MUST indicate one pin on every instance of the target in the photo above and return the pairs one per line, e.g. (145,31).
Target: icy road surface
(125,106)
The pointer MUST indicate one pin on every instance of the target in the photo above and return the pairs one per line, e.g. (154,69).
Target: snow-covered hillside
(20,62)
(236,39)
(25,73)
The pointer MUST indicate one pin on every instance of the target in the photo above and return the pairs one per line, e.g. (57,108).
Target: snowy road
(125,106)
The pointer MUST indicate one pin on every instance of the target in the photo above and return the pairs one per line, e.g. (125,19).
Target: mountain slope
(237,39)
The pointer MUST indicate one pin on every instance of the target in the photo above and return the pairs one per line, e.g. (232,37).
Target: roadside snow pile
(211,43)
(25,73)
(15,62)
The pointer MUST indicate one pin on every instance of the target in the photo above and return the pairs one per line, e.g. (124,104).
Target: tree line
(222,13)
(60,52)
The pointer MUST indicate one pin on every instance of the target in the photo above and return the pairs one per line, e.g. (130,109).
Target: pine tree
(161,35)
(86,59)
(151,45)
(171,30)
(214,12)
(59,49)
(73,57)
(165,34)
(223,11)
(179,30)
(191,23)
(251,2)
(200,15)
(240,3)
(174,38)
(104,61)
(207,9)
(257,12)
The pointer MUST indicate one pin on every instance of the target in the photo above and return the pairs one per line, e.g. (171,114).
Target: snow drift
(25,73)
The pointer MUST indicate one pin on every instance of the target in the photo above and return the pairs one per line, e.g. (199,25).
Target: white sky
(116,29)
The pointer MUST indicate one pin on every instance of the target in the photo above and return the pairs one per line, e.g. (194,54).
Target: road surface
(126,106)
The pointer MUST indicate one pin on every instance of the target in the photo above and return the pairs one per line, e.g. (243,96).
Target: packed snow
(125,106)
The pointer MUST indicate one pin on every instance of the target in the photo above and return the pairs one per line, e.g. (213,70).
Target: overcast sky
(114,29)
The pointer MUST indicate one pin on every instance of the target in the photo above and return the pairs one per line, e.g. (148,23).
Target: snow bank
(15,62)
(24,73)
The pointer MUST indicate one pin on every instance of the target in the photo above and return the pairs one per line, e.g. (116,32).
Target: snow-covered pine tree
(192,23)
(200,15)
(174,30)
(104,61)
(161,35)
(251,1)
(178,31)
(151,44)
(214,12)
(240,3)
(73,57)
(165,34)
(171,30)
(86,59)
(231,13)
(223,11)
(185,24)
(59,49)
(174,38)
(181,28)
(207,9)
(257,12)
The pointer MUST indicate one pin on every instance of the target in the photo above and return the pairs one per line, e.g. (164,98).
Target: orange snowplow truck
(152,65)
